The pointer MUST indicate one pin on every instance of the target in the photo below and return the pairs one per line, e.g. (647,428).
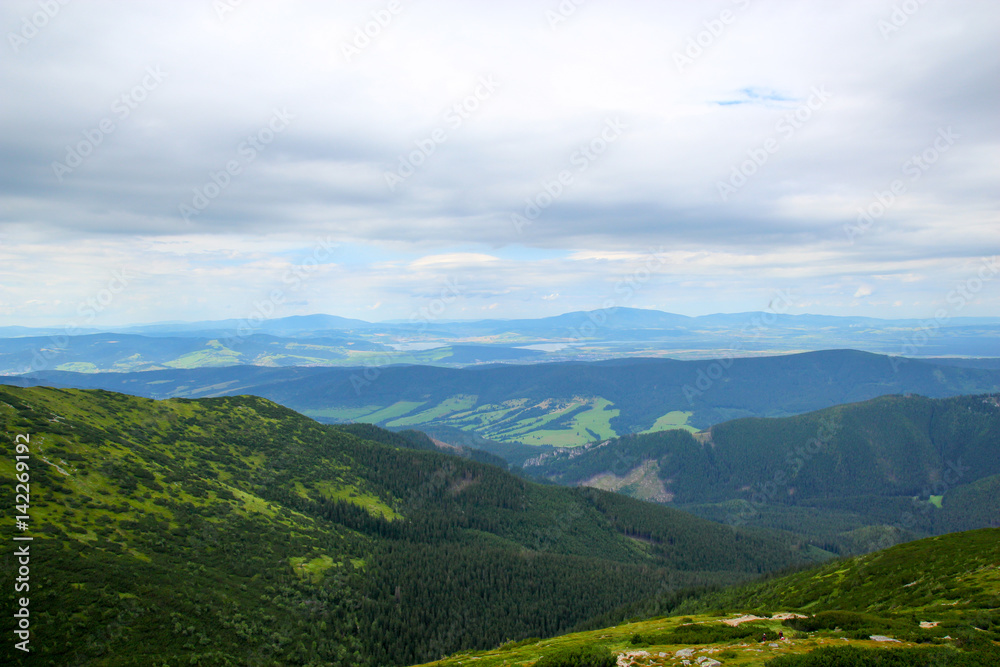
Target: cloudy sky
(209,159)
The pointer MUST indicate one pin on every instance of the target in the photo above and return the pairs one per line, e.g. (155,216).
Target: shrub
(582,656)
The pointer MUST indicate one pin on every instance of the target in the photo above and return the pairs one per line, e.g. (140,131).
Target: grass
(587,426)
(672,420)
(459,403)
(746,652)
(204,358)
(314,569)
(351,494)
(78,367)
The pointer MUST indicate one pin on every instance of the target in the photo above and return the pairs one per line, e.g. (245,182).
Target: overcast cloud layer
(211,159)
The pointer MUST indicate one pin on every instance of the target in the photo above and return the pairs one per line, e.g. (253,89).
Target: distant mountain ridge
(329,340)
(613,318)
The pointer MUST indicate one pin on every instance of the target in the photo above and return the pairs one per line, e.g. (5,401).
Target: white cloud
(863,291)
(654,189)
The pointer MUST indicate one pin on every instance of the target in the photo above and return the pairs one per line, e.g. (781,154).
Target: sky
(212,159)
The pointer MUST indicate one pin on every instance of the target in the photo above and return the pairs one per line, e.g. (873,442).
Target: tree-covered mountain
(233,531)
(857,474)
(560,403)
(932,602)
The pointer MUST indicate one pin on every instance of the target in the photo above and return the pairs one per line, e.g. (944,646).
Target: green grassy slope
(937,599)
(233,531)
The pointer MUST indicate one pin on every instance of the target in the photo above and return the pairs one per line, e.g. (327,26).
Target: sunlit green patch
(672,420)
(449,406)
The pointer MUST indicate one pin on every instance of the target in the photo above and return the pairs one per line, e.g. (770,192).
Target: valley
(558,404)
(234,531)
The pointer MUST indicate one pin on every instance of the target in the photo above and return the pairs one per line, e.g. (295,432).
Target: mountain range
(329,340)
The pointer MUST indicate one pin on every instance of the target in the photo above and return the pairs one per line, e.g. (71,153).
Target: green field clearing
(448,406)
(672,420)
(350,494)
(585,426)
(201,358)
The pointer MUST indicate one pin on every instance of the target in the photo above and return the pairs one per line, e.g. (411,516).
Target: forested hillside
(908,465)
(559,404)
(232,531)
(933,602)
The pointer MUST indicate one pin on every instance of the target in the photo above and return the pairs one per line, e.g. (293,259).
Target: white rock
(685,653)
